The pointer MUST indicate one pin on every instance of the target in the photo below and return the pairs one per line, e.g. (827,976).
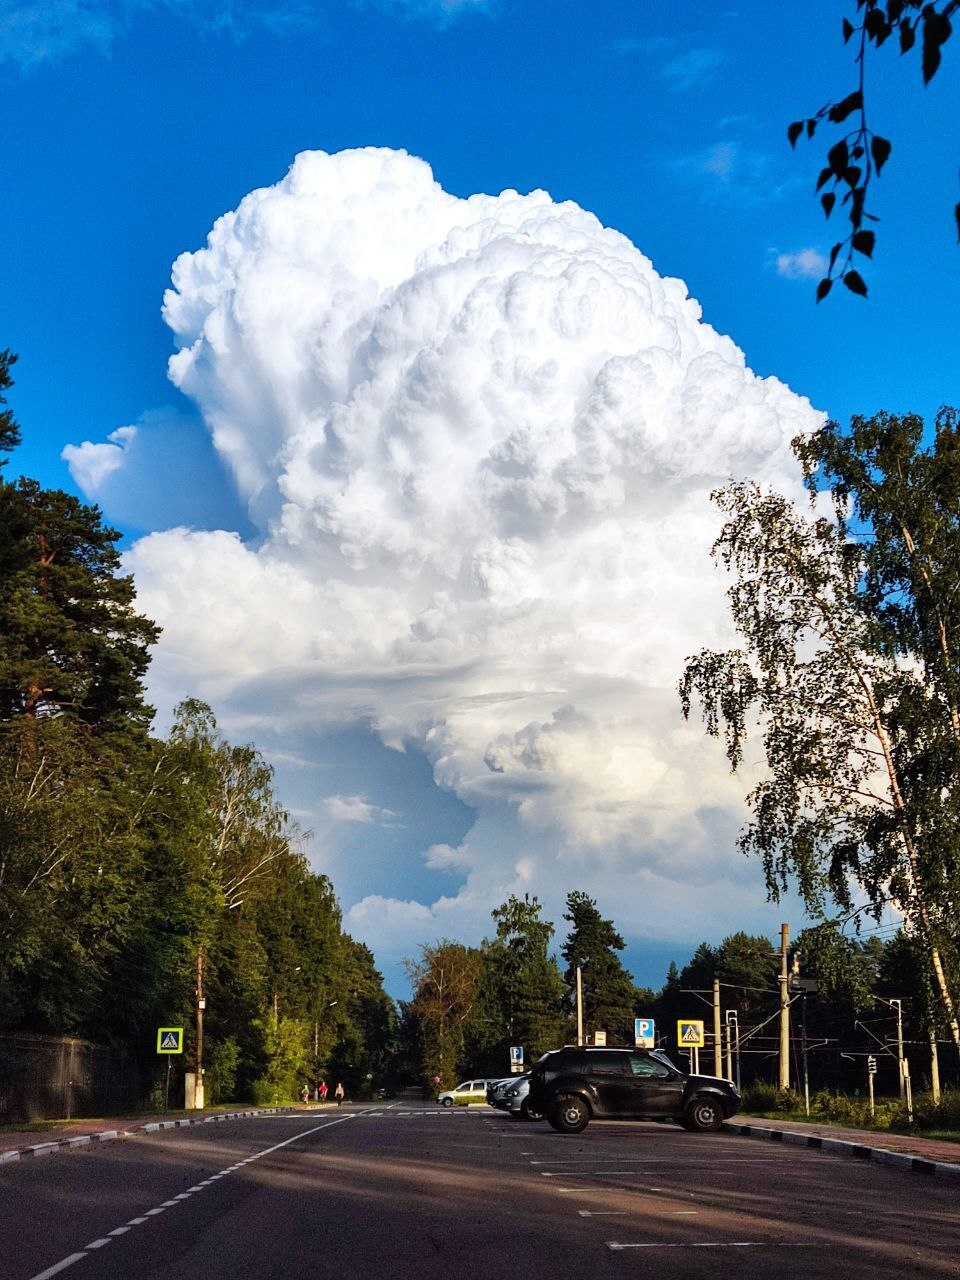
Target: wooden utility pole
(579,1006)
(934,1069)
(717,1038)
(201,1005)
(784,1008)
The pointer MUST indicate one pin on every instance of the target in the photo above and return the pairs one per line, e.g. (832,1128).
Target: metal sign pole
(166,1091)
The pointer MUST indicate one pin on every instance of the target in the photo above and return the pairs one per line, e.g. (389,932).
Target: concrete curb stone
(112,1135)
(841,1147)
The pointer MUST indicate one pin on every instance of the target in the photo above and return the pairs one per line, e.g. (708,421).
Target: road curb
(842,1147)
(112,1135)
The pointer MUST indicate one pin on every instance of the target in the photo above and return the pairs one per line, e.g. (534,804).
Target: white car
(465,1094)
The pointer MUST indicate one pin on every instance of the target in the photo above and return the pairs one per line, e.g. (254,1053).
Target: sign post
(516,1059)
(169,1042)
(871,1072)
(644,1033)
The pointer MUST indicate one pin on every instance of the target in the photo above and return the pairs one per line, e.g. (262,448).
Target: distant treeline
(470,1004)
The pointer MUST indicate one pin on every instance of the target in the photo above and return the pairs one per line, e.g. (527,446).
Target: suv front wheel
(568,1114)
(703,1115)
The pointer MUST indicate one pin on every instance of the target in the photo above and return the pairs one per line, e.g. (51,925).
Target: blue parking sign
(644,1033)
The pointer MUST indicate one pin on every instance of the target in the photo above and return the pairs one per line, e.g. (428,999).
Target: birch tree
(857,728)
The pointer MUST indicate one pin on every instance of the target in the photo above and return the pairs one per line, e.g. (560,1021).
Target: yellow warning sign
(690,1034)
(169,1039)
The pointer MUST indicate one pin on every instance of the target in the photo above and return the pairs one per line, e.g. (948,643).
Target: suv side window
(564,1060)
(606,1064)
(647,1068)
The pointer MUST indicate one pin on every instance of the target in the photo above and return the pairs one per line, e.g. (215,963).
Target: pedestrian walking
(339,1094)
(323,1090)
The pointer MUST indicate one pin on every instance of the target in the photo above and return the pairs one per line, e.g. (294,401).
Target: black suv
(572,1086)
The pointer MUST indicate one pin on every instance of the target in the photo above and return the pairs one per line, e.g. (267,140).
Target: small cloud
(684,69)
(444,857)
(693,68)
(90,464)
(356,809)
(33,32)
(722,159)
(807,264)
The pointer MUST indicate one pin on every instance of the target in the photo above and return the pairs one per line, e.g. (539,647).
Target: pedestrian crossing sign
(690,1034)
(169,1039)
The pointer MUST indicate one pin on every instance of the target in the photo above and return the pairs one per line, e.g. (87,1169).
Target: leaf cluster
(859,155)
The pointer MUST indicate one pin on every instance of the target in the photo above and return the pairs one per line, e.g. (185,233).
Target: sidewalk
(908,1151)
(17,1143)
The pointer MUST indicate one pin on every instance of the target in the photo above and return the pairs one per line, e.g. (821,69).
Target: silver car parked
(518,1103)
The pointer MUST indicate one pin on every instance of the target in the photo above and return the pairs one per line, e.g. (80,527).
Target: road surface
(412,1191)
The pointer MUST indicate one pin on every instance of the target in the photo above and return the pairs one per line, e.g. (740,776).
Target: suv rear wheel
(703,1115)
(568,1113)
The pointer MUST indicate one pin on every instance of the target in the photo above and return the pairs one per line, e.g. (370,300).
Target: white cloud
(356,809)
(478,438)
(683,67)
(807,264)
(693,68)
(39,31)
(91,465)
(160,472)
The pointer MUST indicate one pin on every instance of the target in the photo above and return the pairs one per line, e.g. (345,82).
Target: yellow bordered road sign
(169,1039)
(690,1034)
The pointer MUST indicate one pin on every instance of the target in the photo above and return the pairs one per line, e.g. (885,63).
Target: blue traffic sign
(644,1033)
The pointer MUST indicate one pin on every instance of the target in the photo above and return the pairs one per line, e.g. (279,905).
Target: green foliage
(124,858)
(529,989)
(70,641)
(845,968)
(445,981)
(849,667)
(9,430)
(858,156)
(220,1079)
(610,999)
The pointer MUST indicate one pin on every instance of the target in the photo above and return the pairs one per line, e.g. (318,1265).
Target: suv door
(607,1073)
(652,1088)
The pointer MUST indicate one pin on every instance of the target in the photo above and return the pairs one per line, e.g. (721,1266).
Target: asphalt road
(408,1191)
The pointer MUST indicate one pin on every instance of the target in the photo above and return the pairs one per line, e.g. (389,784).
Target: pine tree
(609,994)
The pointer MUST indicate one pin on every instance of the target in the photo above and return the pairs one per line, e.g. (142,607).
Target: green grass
(930,1120)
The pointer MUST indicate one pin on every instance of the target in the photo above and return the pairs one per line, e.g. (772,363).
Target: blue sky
(131,126)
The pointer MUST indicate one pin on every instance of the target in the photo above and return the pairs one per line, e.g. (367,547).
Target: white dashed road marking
(170,1204)
(718,1244)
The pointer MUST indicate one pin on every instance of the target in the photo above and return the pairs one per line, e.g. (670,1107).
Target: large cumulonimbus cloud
(477,437)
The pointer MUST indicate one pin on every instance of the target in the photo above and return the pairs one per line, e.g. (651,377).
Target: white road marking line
(153,1213)
(58,1266)
(718,1244)
(593,1173)
(684,1213)
(679,1161)
(602,1213)
(118,1231)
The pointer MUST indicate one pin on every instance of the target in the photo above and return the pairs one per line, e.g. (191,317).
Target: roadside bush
(761,1096)
(220,1078)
